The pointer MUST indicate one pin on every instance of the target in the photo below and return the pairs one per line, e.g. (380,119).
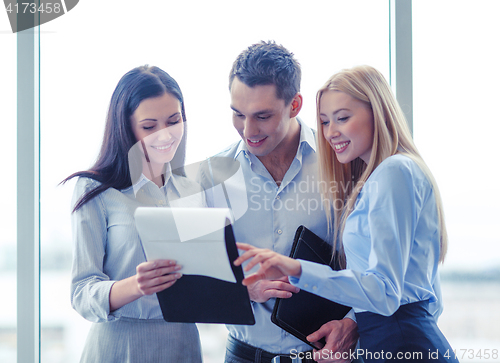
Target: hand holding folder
(304,313)
(202,241)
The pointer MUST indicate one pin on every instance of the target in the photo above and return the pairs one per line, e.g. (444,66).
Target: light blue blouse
(107,248)
(391,241)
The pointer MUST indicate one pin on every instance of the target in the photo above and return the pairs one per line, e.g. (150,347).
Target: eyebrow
(262,112)
(153,119)
(337,111)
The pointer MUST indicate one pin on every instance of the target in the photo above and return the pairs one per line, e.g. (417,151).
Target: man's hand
(341,337)
(263,290)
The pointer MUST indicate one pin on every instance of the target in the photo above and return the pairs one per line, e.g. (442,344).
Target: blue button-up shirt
(391,241)
(267,216)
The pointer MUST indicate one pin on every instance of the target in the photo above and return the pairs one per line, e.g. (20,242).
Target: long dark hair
(112,168)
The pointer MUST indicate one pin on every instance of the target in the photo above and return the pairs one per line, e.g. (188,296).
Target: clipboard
(304,313)
(196,297)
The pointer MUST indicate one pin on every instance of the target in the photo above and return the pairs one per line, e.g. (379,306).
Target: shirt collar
(242,148)
(307,136)
(143,180)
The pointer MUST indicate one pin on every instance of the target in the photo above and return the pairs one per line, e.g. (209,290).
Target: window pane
(84,54)
(456,127)
(8,185)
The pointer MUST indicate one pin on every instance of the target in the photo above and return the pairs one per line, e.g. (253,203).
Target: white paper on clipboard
(194,237)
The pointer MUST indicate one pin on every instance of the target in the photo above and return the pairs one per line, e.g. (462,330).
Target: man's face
(261,119)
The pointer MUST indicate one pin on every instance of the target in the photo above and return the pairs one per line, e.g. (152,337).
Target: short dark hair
(267,63)
(112,167)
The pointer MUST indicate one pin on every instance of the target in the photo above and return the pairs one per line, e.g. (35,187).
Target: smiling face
(347,126)
(158,123)
(263,121)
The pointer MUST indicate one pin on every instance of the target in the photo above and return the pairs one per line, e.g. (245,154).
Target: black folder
(304,313)
(203,299)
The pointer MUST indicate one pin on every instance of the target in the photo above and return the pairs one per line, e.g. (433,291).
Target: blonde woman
(388,223)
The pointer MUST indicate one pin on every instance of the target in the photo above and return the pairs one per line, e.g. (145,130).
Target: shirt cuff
(308,281)
(96,307)
(309,277)
(351,315)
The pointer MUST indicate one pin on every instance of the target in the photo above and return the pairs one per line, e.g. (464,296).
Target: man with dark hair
(266,64)
(277,157)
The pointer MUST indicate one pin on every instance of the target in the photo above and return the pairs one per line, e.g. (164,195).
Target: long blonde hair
(343,182)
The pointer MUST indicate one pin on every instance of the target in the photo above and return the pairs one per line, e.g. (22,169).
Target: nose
(163,134)
(250,128)
(331,131)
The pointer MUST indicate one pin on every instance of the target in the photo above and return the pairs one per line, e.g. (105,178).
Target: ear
(296,105)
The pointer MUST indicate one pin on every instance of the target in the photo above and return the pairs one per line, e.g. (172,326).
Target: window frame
(28,197)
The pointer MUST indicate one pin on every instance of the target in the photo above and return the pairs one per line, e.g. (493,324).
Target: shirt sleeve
(90,286)
(389,202)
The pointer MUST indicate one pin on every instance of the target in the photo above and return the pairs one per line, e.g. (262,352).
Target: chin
(161,161)
(262,153)
(259,151)
(343,160)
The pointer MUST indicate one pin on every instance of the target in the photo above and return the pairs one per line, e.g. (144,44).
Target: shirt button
(278,197)
(315,287)
(306,285)
(280,231)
